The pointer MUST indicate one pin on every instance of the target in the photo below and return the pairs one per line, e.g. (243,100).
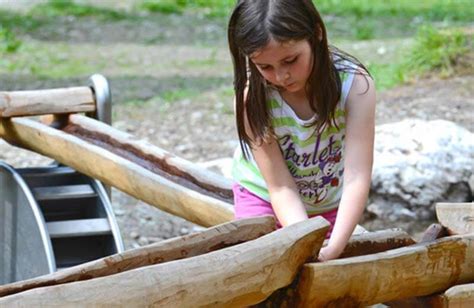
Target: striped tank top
(314,159)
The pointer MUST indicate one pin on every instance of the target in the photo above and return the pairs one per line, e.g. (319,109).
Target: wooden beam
(458,218)
(116,171)
(237,276)
(417,270)
(28,103)
(187,246)
(460,296)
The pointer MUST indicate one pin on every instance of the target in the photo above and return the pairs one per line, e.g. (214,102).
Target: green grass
(54,8)
(210,8)
(438,51)
(434,52)
(8,41)
(430,10)
(51,61)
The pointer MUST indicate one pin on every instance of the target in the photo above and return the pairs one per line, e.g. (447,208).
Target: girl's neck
(298,101)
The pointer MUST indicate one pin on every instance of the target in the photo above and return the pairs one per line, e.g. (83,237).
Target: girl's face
(287,65)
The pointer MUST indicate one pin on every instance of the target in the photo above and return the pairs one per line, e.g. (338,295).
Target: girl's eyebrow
(282,60)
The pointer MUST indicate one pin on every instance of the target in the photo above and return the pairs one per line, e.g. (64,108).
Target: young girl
(305,119)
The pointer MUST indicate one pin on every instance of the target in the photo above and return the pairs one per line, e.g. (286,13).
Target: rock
(143,241)
(418,163)
(222,166)
(134,235)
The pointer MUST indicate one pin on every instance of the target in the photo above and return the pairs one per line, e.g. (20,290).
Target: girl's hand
(329,252)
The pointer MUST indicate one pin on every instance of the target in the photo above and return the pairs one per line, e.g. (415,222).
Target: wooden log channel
(58,101)
(237,276)
(218,237)
(417,270)
(137,168)
(359,244)
(458,218)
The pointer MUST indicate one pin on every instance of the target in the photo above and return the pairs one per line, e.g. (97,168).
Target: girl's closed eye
(291,61)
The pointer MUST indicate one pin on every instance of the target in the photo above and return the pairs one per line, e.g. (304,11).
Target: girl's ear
(320,33)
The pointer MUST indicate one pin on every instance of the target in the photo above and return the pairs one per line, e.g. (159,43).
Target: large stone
(418,163)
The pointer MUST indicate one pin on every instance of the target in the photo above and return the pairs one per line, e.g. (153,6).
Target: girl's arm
(359,144)
(284,196)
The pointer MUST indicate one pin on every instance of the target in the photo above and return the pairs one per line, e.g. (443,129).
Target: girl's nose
(282,76)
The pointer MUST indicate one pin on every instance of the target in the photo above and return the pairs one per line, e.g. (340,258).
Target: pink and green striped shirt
(315,160)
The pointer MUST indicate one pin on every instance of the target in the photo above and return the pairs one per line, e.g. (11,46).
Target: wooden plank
(461,296)
(116,171)
(417,270)
(78,227)
(458,218)
(63,192)
(237,276)
(28,103)
(213,239)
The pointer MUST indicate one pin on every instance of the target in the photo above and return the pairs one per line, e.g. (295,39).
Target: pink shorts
(247,204)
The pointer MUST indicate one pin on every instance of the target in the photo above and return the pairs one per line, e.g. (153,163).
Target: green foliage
(18,22)
(364,31)
(210,8)
(163,6)
(436,50)
(387,76)
(429,10)
(8,41)
(178,94)
(54,8)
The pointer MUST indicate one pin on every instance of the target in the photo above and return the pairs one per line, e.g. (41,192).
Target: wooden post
(417,270)
(28,103)
(116,171)
(187,246)
(458,218)
(237,276)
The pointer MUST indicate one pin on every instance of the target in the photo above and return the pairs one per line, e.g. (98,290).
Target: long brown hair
(252,25)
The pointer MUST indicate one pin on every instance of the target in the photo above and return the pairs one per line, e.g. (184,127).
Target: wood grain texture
(237,276)
(116,171)
(187,246)
(460,296)
(417,270)
(28,103)
(458,218)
